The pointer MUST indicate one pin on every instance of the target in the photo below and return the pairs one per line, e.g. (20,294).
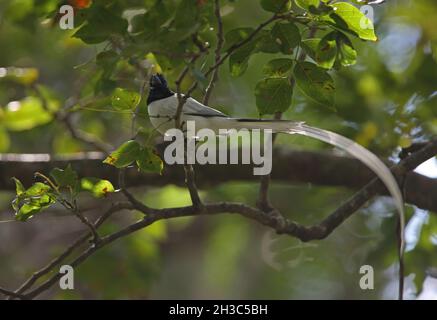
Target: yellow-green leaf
(98,187)
(149,161)
(123,99)
(19,188)
(27,114)
(31,201)
(127,153)
(348,18)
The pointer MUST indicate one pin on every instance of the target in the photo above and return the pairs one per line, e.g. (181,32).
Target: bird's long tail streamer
(351,147)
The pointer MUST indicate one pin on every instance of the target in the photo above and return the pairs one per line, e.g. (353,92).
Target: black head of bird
(158,88)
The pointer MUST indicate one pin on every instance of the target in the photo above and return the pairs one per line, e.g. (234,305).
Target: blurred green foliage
(384,98)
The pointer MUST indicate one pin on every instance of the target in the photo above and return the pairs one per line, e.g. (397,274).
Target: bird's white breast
(162,115)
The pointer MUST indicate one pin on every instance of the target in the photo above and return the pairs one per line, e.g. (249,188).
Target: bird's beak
(155,81)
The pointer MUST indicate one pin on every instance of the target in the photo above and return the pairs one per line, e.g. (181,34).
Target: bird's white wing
(195,108)
(192,107)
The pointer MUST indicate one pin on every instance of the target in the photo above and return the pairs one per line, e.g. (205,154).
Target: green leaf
(276,6)
(27,114)
(316,7)
(239,60)
(310,46)
(38,189)
(155,17)
(137,24)
(26,211)
(347,55)
(101,24)
(19,188)
(315,83)
(123,99)
(127,153)
(149,161)
(327,51)
(347,17)
(306,4)
(278,67)
(287,36)
(98,187)
(105,86)
(186,15)
(186,21)
(107,60)
(272,95)
(18,10)
(266,43)
(235,36)
(31,201)
(66,177)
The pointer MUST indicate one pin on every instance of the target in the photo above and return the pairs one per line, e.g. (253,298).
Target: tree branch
(84,137)
(263,195)
(289,166)
(11,294)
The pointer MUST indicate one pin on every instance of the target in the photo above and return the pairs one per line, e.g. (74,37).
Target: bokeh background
(387,100)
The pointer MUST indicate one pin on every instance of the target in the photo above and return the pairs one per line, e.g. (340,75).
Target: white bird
(162,108)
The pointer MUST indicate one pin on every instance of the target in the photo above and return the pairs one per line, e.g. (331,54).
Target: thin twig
(182,99)
(85,137)
(218,49)
(135,203)
(238,45)
(191,185)
(86,222)
(64,116)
